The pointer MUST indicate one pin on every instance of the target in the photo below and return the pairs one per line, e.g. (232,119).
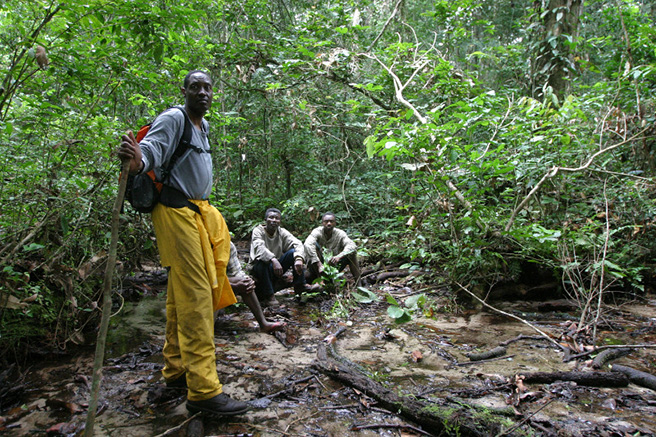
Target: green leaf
(32,247)
(416,301)
(364,296)
(390,300)
(565,140)
(372,87)
(370,145)
(395,312)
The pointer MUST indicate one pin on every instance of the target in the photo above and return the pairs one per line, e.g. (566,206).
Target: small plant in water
(339,310)
(332,278)
(411,305)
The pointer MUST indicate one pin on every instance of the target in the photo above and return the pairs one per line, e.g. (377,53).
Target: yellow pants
(196,247)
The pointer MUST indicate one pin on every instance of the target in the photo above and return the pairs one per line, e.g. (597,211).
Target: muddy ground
(426,358)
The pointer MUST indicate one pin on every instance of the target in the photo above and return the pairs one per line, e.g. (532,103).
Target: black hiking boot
(220,405)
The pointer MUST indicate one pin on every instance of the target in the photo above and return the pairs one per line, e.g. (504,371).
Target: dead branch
(469,363)
(555,170)
(521,337)
(396,9)
(106,304)
(493,353)
(373,278)
(603,268)
(378,267)
(399,87)
(609,355)
(291,386)
(512,316)
(610,346)
(525,419)
(175,430)
(389,426)
(589,379)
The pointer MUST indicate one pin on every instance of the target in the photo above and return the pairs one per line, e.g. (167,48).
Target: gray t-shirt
(192,173)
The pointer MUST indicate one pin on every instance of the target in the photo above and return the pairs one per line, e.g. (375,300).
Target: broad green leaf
(415,301)
(390,300)
(395,312)
(362,295)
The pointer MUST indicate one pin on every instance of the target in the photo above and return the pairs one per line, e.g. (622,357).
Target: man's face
(272,222)
(198,94)
(328,223)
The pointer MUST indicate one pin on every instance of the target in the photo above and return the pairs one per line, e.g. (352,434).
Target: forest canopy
(473,139)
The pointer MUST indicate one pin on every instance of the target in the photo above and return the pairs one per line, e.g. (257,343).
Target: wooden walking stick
(107,302)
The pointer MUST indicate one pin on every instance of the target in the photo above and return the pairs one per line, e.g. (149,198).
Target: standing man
(193,242)
(273,251)
(329,237)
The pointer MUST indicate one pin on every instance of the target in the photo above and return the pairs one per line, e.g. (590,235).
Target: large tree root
(431,417)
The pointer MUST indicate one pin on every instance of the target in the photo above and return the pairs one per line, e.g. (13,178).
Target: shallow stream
(426,358)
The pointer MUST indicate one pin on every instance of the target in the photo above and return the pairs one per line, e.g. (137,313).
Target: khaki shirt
(339,244)
(265,248)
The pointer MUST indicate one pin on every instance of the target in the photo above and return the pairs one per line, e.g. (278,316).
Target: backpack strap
(170,196)
(183,145)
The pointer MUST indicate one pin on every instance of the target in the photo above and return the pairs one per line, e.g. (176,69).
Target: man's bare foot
(273,327)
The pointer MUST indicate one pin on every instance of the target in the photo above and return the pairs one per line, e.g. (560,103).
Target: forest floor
(426,359)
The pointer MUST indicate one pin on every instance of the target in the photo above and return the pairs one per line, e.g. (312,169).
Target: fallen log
(589,379)
(380,277)
(637,377)
(471,363)
(432,418)
(493,353)
(378,267)
(609,355)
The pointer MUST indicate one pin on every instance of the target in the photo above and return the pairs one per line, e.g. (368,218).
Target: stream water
(426,358)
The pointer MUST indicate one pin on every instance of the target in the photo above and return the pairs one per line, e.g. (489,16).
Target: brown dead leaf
(530,396)
(62,428)
(58,404)
(519,382)
(32,298)
(314,213)
(417,356)
(291,337)
(12,302)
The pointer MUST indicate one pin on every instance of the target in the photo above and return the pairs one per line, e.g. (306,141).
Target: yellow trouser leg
(189,343)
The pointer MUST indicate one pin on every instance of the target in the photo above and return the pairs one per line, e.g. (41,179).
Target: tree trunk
(553,66)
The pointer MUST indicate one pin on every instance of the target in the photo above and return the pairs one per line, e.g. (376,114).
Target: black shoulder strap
(183,145)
